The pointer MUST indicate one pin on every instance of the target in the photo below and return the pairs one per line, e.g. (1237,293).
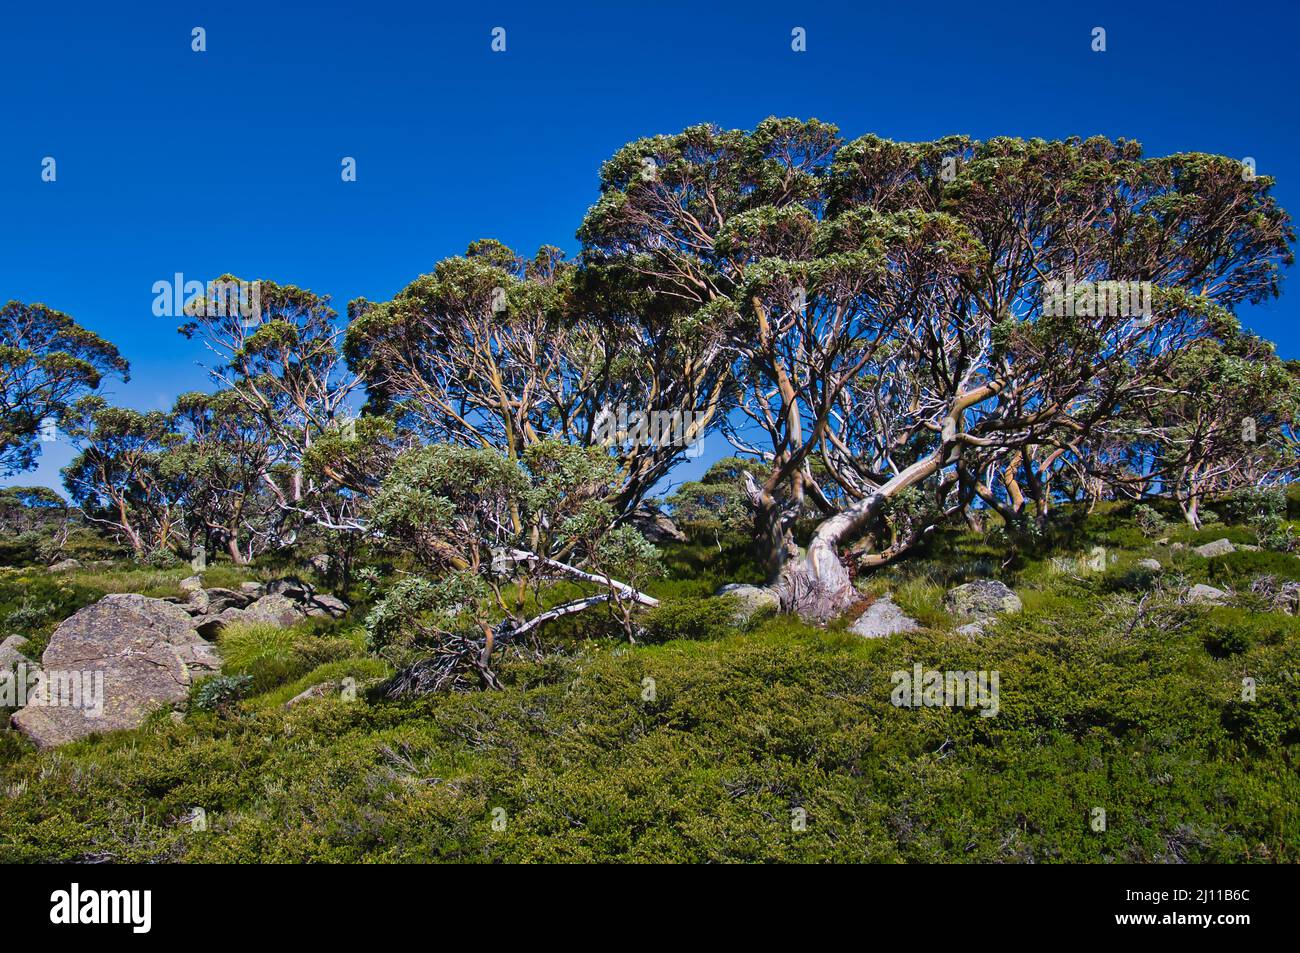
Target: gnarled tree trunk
(816,583)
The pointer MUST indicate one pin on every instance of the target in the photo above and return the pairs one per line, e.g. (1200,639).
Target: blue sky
(228,160)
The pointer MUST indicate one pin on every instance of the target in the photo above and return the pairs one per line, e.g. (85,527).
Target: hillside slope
(775,742)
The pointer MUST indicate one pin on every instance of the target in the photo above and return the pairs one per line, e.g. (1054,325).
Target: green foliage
(47,362)
(1225,630)
(1236,570)
(218,693)
(1148,520)
(716,505)
(741,731)
(691,618)
(416,612)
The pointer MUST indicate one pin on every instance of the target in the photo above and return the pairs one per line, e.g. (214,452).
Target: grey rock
(971,629)
(209,626)
(11,653)
(883,617)
(1201,594)
(1220,547)
(64,565)
(226,617)
(750,601)
(191,583)
(292,588)
(147,653)
(274,609)
(254,590)
(981,599)
(321,563)
(200,602)
(1247,547)
(221,599)
(323,604)
(1152,564)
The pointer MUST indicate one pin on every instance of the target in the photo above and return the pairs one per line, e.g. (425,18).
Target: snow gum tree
(918,316)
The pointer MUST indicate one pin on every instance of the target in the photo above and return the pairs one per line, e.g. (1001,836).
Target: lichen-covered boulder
(110,664)
(1220,547)
(11,653)
(323,604)
(883,617)
(981,599)
(273,609)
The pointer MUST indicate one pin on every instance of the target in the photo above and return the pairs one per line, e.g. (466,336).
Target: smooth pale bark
(623,589)
(817,585)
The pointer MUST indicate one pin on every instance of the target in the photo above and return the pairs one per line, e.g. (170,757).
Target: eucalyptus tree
(118,478)
(485,533)
(285,366)
(492,350)
(916,316)
(47,362)
(1223,419)
(222,463)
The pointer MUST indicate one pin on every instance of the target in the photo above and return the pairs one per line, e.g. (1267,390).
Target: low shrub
(691,618)
(1148,520)
(219,692)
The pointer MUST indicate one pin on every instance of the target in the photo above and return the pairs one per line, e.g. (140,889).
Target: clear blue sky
(228,161)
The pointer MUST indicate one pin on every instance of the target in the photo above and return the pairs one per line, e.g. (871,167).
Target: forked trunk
(816,584)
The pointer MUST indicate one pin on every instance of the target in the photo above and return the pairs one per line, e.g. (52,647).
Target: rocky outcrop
(323,604)
(883,617)
(11,653)
(281,602)
(273,609)
(981,599)
(65,565)
(1150,564)
(110,664)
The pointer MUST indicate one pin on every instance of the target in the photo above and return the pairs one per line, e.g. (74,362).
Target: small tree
(118,479)
(487,533)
